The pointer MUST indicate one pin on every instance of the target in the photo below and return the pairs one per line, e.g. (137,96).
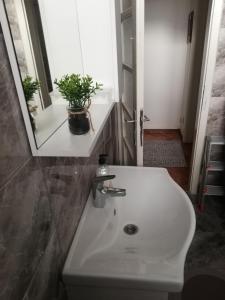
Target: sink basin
(138,242)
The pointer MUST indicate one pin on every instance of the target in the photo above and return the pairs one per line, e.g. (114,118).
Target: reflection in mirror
(47,47)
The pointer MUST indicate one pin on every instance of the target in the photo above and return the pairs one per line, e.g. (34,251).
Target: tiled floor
(180,175)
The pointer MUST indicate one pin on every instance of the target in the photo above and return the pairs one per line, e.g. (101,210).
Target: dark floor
(208,246)
(207,252)
(180,175)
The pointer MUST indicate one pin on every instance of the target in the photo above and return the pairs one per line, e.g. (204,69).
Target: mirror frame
(17,77)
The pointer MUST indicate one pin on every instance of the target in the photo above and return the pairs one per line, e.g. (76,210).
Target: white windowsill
(64,144)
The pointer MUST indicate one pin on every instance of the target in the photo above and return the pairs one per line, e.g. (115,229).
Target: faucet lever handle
(100,179)
(103,178)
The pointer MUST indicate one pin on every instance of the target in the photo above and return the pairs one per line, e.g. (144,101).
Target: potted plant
(77,90)
(30,87)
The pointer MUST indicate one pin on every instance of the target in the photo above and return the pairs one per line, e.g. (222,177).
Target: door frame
(139,78)
(205,90)
(17,77)
(140,45)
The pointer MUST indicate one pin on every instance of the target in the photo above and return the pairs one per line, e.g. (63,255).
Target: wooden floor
(180,175)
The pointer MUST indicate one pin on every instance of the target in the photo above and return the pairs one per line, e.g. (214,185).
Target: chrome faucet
(101,193)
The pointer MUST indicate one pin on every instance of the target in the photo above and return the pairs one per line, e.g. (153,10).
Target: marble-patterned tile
(13,19)
(15,149)
(16,34)
(92,161)
(208,247)
(220,60)
(219,75)
(25,222)
(45,283)
(62,176)
(223,17)
(216,117)
(69,183)
(218,89)
(207,252)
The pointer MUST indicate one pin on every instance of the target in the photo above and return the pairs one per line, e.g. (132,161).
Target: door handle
(143,118)
(146,119)
(130,121)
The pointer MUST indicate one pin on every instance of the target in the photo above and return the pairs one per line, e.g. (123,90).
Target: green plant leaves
(30,87)
(77,90)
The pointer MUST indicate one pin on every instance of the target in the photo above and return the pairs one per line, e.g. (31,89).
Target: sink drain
(130,229)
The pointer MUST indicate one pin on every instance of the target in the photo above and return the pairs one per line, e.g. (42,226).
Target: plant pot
(78,122)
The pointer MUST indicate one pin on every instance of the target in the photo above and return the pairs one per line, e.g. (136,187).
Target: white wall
(165,57)
(62,38)
(80,38)
(95,24)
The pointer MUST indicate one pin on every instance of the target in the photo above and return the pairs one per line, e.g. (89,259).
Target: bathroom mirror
(46,41)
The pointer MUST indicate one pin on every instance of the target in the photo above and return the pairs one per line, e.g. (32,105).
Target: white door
(132,101)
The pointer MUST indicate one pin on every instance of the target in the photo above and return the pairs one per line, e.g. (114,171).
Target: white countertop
(64,144)
(48,121)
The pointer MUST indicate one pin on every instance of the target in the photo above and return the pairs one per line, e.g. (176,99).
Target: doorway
(174,46)
(186,34)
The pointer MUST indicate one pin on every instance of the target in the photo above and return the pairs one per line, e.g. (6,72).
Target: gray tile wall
(41,201)
(216,118)
(15,29)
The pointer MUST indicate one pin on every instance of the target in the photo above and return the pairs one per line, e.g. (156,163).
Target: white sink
(103,256)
